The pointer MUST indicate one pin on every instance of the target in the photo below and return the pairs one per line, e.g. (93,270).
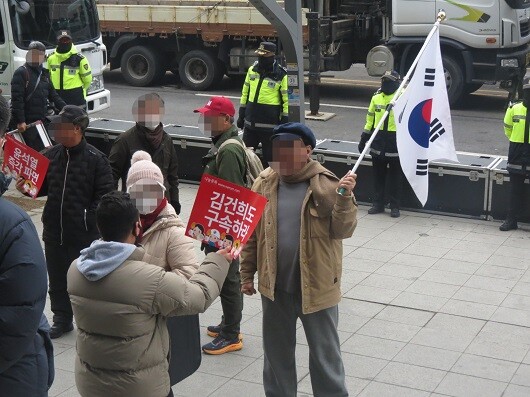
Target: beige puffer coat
(166,244)
(122,338)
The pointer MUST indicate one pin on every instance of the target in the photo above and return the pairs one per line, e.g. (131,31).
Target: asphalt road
(477,123)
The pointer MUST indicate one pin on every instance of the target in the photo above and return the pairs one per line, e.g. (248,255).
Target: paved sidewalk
(432,306)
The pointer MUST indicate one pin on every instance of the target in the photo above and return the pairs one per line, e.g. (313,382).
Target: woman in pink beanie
(166,244)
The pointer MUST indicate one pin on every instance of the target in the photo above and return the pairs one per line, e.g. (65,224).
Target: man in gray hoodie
(120,305)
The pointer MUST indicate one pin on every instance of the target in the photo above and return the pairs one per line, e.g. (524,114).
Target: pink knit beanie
(142,167)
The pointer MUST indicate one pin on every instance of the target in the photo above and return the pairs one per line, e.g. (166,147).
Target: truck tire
(470,88)
(199,70)
(142,66)
(454,77)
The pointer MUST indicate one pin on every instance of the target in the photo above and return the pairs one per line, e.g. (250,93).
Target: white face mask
(146,195)
(150,121)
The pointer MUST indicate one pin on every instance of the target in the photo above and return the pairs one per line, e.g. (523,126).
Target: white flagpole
(441,16)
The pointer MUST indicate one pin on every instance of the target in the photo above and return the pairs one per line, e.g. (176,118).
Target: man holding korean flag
(423,119)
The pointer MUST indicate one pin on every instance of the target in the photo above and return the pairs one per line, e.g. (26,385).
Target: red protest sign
(224,214)
(21,160)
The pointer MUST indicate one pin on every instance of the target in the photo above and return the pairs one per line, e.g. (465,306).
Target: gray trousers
(279,343)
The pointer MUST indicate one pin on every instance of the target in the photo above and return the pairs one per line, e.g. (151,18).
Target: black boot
(394,212)
(376,209)
(508,224)
(59,329)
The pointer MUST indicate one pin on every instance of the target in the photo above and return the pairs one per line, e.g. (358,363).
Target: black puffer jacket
(26,352)
(76,180)
(36,108)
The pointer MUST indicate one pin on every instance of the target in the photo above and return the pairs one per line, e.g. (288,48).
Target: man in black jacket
(78,176)
(26,352)
(31,90)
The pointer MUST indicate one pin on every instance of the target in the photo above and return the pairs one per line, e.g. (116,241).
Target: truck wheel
(142,66)
(454,80)
(199,70)
(472,87)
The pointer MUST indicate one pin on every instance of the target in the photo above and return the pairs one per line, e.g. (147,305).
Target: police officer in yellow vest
(69,71)
(385,160)
(264,102)
(516,126)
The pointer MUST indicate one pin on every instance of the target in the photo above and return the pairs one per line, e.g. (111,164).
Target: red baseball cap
(217,106)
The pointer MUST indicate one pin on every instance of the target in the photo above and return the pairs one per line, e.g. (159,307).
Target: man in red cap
(226,160)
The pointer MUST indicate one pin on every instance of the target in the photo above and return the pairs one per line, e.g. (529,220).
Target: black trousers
(387,172)
(231,300)
(253,138)
(58,261)
(516,195)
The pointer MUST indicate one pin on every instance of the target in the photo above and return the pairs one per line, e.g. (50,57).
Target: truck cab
(24,21)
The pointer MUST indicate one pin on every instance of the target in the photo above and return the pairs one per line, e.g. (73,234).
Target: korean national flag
(423,120)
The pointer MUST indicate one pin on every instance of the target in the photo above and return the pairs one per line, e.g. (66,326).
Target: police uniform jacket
(264,97)
(384,144)
(516,130)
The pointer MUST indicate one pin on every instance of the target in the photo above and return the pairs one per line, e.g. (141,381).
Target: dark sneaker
(59,329)
(376,210)
(213,330)
(508,225)
(221,345)
(394,213)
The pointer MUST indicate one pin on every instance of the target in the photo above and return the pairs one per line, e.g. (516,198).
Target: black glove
(284,120)
(364,139)
(176,205)
(240,123)
(241,117)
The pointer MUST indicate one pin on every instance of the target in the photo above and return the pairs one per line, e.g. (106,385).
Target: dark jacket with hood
(22,86)
(26,352)
(76,180)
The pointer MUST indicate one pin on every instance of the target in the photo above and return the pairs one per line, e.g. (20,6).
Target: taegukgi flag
(423,120)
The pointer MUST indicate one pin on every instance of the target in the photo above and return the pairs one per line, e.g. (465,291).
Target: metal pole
(314,62)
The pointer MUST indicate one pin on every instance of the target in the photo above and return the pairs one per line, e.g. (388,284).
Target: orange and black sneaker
(215,330)
(221,345)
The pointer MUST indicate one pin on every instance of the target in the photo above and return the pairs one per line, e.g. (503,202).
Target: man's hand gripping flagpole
(441,17)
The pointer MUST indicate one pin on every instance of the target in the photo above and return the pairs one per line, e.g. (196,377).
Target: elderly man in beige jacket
(120,305)
(296,250)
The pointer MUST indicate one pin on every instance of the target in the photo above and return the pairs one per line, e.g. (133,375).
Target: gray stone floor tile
(65,360)
(367,232)
(199,384)
(515,301)
(372,254)
(508,332)
(412,376)
(480,296)
(416,260)
(373,294)
(450,224)
(387,282)
(64,380)
(508,261)
(436,241)
(351,322)
(227,365)
(445,277)
(467,256)
(425,250)
(71,392)
(516,391)
(521,251)
(353,385)
(485,367)
(252,346)
(490,283)
(353,276)
(355,241)
(395,245)
(477,247)
(426,356)
(455,265)
(254,373)
(302,355)
(491,228)
(402,271)
(512,316)
(521,240)
(457,324)
(389,330)
(468,386)
(522,376)
(433,289)
(380,221)
(360,308)
(493,347)
(521,288)
(456,234)
(485,238)
(238,388)
(419,301)
(405,316)
(363,367)
(443,339)
(59,347)
(252,326)
(361,264)
(378,389)
(500,272)
(469,309)
(372,347)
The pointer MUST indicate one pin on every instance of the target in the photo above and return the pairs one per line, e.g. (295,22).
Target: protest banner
(21,160)
(224,214)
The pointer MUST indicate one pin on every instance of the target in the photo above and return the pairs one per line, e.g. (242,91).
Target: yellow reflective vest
(70,75)
(514,128)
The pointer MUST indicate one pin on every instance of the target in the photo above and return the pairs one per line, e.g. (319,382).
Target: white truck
(482,41)
(24,21)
